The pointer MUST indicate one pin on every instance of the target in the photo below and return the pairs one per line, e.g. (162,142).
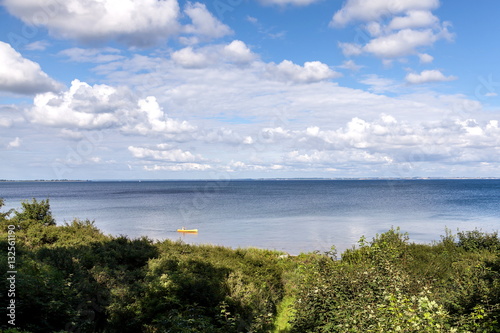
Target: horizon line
(246,179)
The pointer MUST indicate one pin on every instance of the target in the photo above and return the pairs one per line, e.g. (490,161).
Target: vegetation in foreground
(73,278)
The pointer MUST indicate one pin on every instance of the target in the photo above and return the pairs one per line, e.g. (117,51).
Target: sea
(293,216)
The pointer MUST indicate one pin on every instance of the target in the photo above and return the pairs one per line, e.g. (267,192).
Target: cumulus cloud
(373,10)
(164,153)
(102,106)
(428,76)
(396,28)
(401,43)
(164,157)
(327,159)
(397,44)
(312,71)
(188,58)
(152,119)
(22,76)
(413,19)
(236,52)
(245,114)
(387,141)
(204,25)
(82,106)
(135,23)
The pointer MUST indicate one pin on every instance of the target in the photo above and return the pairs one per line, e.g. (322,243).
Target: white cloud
(162,154)
(252,19)
(387,140)
(135,23)
(22,76)
(5,122)
(204,25)
(398,44)
(379,84)
(241,166)
(11,116)
(314,157)
(350,49)
(102,106)
(247,115)
(373,10)
(326,159)
(39,45)
(425,58)
(82,106)
(16,143)
(71,134)
(103,55)
(428,76)
(164,157)
(374,28)
(238,52)
(313,71)
(395,28)
(188,58)
(401,43)
(413,19)
(350,65)
(179,167)
(152,119)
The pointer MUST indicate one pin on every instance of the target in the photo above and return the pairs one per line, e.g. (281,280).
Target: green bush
(476,240)
(34,212)
(391,285)
(74,278)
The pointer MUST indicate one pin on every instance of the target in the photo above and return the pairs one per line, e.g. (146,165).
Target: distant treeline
(73,278)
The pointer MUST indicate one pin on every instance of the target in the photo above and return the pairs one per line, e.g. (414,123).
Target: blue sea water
(288,215)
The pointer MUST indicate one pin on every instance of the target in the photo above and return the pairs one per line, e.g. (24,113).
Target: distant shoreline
(237,179)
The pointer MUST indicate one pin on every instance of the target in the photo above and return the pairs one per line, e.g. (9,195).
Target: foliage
(3,216)
(34,213)
(74,278)
(390,285)
(476,240)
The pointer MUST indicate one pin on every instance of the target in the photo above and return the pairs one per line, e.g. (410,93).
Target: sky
(228,89)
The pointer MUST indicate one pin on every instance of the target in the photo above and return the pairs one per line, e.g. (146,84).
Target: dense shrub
(390,285)
(476,240)
(73,278)
(34,212)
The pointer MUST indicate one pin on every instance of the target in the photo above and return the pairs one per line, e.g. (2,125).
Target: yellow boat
(194,231)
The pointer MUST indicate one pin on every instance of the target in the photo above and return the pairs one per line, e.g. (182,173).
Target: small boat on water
(193,231)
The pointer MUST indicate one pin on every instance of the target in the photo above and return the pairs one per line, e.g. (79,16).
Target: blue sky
(249,88)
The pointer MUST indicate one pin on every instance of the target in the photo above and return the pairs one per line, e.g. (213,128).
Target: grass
(285,315)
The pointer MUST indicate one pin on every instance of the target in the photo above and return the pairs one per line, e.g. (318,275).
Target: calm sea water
(293,215)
